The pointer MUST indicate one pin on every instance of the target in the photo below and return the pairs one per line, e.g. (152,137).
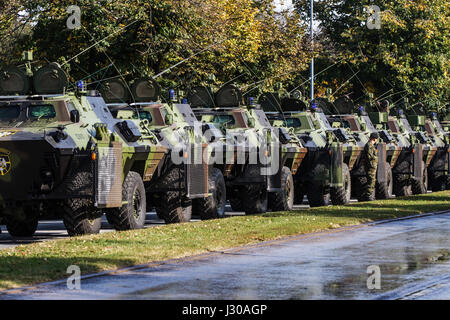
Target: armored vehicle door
(381,169)
(418,164)
(337,161)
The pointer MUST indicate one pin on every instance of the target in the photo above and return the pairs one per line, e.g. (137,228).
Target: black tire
(236,199)
(384,190)
(299,194)
(437,181)
(80,216)
(317,197)
(316,191)
(420,186)
(132,214)
(256,199)
(212,207)
(283,200)
(22,227)
(173,206)
(254,196)
(341,195)
(402,182)
(176,208)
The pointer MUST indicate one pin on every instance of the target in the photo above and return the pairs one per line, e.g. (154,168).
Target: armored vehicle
(438,169)
(325,171)
(265,158)
(63,154)
(410,172)
(188,183)
(360,126)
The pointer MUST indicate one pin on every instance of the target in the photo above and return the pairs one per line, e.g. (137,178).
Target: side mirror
(75,116)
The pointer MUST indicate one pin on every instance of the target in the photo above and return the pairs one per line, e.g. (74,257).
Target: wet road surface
(413,256)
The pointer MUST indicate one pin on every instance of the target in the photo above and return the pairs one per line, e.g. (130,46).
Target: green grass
(46,261)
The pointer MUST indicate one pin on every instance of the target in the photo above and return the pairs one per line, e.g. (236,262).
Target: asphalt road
(413,256)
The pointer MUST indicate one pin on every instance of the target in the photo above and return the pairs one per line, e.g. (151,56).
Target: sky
(283,4)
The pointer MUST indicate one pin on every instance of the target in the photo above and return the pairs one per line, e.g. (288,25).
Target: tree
(408,54)
(240,39)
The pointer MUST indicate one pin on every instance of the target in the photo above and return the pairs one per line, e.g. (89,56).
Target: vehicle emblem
(5,162)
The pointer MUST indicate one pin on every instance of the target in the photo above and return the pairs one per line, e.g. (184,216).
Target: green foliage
(229,38)
(409,52)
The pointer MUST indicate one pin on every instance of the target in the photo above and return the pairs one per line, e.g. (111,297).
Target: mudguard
(197,173)
(418,164)
(108,175)
(337,161)
(381,169)
(275,179)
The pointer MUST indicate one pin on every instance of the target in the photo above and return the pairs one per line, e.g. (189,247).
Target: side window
(10,112)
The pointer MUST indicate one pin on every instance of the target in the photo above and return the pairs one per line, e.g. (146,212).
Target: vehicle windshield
(142,115)
(438,126)
(293,122)
(324,120)
(369,124)
(36,112)
(9,113)
(406,125)
(224,119)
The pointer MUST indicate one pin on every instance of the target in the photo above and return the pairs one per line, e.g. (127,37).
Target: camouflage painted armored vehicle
(260,160)
(438,169)
(63,154)
(325,171)
(410,172)
(186,184)
(360,126)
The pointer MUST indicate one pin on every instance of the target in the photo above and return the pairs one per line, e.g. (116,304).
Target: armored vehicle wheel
(384,190)
(402,186)
(437,181)
(173,206)
(317,197)
(236,201)
(316,192)
(402,182)
(174,209)
(255,196)
(341,195)
(132,214)
(212,207)
(299,193)
(21,228)
(80,216)
(284,199)
(420,186)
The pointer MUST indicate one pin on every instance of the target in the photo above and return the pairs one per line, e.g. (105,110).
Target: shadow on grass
(24,271)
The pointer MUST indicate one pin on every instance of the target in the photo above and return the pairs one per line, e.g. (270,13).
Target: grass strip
(46,261)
